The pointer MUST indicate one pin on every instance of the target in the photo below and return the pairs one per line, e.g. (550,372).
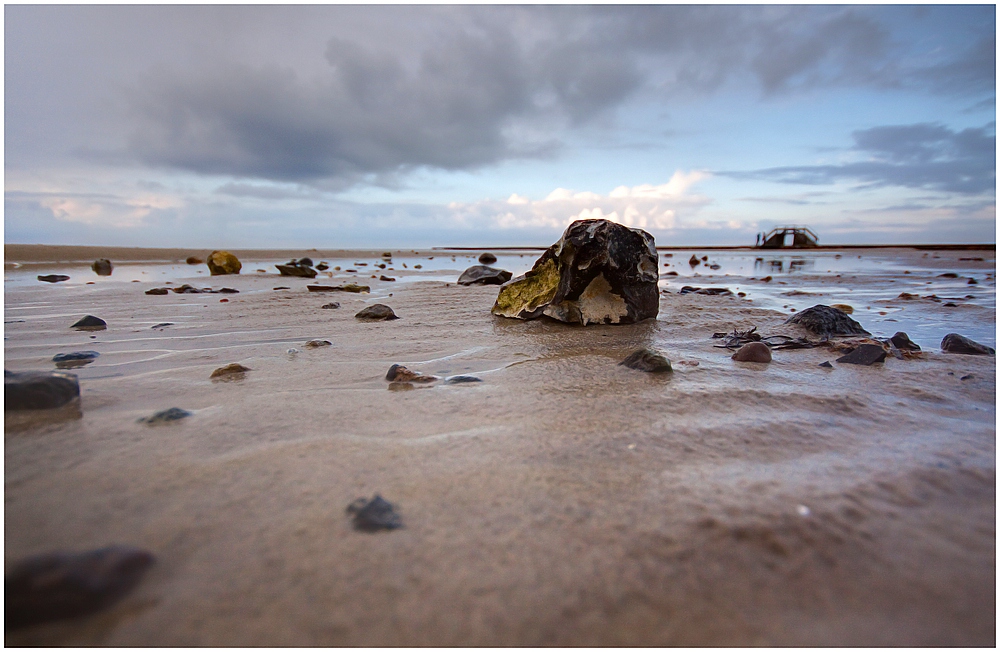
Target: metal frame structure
(802,237)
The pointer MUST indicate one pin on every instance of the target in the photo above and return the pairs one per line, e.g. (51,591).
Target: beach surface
(564,500)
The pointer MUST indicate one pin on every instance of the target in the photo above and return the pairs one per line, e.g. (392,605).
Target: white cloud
(107,211)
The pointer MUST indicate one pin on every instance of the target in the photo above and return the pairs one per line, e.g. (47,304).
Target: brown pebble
(232,371)
(753,352)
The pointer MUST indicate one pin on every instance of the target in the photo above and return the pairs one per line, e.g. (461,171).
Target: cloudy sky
(405,126)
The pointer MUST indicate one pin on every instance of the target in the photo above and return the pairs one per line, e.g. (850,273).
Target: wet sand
(565,500)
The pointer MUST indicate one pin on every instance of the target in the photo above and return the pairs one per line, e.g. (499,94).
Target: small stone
(157,291)
(53,278)
(693,261)
(102,267)
(74,359)
(296,268)
(38,390)
(399,373)
(826,365)
(461,379)
(223,262)
(330,306)
(230,372)
(948,275)
(906,296)
(386,278)
(973,281)
(281,287)
(316,344)
(843,307)
(194,260)
(967,377)
(303,261)
(166,416)
(322,266)
(483,275)
(418,266)
(347,287)
(766,279)
(373,515)
(902,341)
(955,343)
(753,352)
(647,360)
(387,254)
(377,312)
(90,323)
(162,325)
(825,321)
(865,354)
(486,258)
(62,585)
(715,266)
(229,291)
(292,351)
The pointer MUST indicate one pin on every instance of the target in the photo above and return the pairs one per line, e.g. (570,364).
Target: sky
(328,126)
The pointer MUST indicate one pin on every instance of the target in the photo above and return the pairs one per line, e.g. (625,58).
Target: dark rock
(162,325)
(316,344)
(671,274)
(386,278)
(229,291)
(90,323)
(230,372)
(973,281)
(166,416)
(826,365)
(955,343)
(377,312)
(38,390)
(387,254)
(688,289)
(967,377)
(330,306)
(302,261)
(826,321)
(223,262)
(62,585)
(373,515)
(950,304)
(693,261)
(647,360)
(322,267)
(486,258)
(186,289)
(948,275)
(74,359)
(483,275)
(599,272)
(102,267)
(902,341)
(399,373)
(281,287)
(461,379)
(347,287)
(753,352)
(293,269)
(157,291)
(715,266)
(194,260)
(865,354)
(53,278)
(418,266)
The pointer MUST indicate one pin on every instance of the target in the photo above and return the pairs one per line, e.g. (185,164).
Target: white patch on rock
(599,305)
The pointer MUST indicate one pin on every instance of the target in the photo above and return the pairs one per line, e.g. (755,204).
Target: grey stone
(166,416)
(294,268)
(483,275)
(753,352)
(826,321)
(53,278)
(74,359)
(902,341)
(865,354)
(375,514)
(955,343)
(102,267)
(647,360)
(377,312)
(486,258)
(461,379)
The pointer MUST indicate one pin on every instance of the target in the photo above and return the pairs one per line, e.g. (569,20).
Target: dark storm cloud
(928,156)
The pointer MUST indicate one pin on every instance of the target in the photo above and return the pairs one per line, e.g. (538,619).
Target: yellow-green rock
(526,295)
(223,262)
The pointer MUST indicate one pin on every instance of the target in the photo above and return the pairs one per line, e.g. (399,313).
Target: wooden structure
(801,237)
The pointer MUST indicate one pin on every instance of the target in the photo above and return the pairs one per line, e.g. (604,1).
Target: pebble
(61,585)
(157,291)
(53,278)
(457,380)
(90,323)
(38,390)
(955,343)
(375,514)
(386,278)
(825,320)
(166,416)
(753,352)
(230,372)
(194,260)
(902,341)
(826,365)
(399,373)
(282,287)
(315,344)
(486,258)
(865,354)
(74,359)
(377,312)
(331,306)
(102,267)
(162,325)
(647,360)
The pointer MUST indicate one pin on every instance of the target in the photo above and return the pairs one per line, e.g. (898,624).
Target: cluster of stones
(302,268)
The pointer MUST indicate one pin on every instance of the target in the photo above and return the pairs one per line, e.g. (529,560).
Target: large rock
(38,390)
(483,275)
(955,343)
(223,262)
(102,267)
(62,585)
(599,272)
(826,321)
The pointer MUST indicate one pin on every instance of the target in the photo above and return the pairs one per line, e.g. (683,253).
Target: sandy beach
(564,500)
